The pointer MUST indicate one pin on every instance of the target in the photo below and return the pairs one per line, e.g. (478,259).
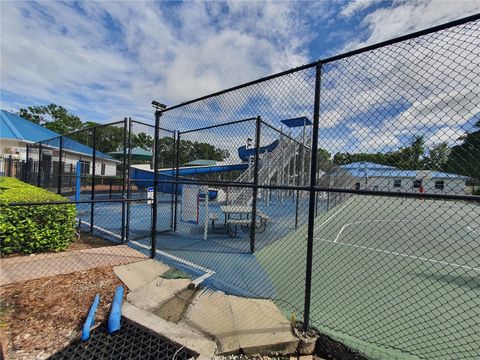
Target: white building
(16,133)
(376,177)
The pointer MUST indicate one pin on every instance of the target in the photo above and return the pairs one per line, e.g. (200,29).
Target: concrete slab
(141,273)
(177,333)
(152,295)
(261,327)
(211,313)
(240,324)
(22,268)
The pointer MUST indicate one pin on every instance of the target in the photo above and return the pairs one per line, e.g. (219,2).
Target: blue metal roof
(367,165)
(369,169)
(296,122)
(15,127)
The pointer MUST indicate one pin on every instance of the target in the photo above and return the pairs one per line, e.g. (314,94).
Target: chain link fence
(345,191)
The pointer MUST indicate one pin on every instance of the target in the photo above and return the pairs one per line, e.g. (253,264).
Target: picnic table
(242,218)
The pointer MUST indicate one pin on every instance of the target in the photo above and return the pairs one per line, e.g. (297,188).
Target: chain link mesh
(396,208)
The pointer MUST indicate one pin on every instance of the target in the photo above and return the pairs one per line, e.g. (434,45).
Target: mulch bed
(39,317)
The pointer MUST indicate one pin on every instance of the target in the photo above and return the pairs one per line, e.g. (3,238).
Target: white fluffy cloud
(355,6)
(404,17)
(112,58)
(108,60)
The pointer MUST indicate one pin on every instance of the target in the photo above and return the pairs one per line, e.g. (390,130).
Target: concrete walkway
(21,268)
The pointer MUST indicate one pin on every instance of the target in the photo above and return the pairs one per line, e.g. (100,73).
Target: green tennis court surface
(388,273)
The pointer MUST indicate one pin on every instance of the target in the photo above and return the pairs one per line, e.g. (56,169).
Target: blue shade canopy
(137,154)
(296,122)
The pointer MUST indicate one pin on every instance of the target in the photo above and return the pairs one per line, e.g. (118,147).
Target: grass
(388,275)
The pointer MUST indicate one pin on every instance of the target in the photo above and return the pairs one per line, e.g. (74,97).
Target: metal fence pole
(60,167)
(311,204)
(172,198)
(153,249)
(9,166)
(26,176)
(124,175)
(92,195)
(129,188)
(255,185)
(39,178)
(177,159)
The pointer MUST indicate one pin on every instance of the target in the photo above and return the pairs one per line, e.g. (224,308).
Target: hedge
(33,229)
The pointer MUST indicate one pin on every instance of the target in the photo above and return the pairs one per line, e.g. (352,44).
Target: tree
(53,117)
(324,160)
(464,159)
(409,157)
(143,141)
(437,157)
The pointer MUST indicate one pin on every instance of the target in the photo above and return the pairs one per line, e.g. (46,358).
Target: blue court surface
(227,259)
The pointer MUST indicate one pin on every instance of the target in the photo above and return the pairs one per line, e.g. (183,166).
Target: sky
(105,60)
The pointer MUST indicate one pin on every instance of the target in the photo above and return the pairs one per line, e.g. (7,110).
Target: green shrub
(36,228)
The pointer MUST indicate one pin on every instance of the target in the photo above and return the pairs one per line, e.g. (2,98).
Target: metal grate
(131,342)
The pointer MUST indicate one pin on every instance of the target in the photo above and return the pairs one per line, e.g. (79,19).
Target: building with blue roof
(16,133)
(378,177)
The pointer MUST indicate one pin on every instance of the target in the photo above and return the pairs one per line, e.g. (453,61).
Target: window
(439,184)
(397,183)
(85,166)
(357,186)
(417,183)
(103,169)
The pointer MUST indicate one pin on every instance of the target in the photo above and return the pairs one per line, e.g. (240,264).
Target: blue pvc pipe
(90,318)
(115,311)
(78,179)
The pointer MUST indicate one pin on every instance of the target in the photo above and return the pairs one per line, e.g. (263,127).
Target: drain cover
(131,342)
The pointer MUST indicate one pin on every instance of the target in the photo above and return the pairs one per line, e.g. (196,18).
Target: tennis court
(396,273)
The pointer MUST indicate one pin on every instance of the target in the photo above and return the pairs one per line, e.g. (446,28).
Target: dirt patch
(88,241)
(39,317)
(332,349)
(174,309)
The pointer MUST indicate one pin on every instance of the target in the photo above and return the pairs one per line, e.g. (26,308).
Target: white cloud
(55,51)
(449,135)
(355,6)
(404,17)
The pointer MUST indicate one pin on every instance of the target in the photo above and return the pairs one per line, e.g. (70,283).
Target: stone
(152,295)
(141,273)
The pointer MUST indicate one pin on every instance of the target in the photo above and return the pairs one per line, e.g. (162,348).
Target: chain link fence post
(311,203)
(94,165)
(258,122)
(177,159)
(60,167)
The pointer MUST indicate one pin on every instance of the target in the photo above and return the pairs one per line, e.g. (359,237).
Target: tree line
(110,138)
(461,159)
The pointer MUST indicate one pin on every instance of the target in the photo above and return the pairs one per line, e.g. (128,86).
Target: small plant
(293,319)
(33,229)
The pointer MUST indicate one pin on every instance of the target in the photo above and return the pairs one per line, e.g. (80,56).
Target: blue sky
(107,60)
